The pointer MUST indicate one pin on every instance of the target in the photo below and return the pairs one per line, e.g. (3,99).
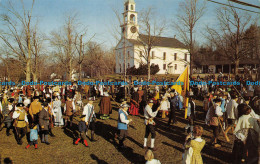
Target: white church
(170,54)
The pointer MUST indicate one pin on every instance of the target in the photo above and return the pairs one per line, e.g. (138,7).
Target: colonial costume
(122,124)
(33,137)
(44,121)
(173,102)
(90,116)
(105,106)
(134,105)
(149,122)
(21,122)
(82,127)
(247,134)
(69,110)
(58,120)
(213,120)
(78,101)
(34,110)
(7,116)
(192,154)
(165,105)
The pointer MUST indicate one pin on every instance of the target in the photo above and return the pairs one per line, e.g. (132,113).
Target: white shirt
(87,111)
(218,111)
(148,113)
(153,161)
(232,112)
(16,115)
(52,111)
(122,117)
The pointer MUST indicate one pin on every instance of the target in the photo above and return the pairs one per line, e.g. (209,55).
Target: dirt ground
(61,150)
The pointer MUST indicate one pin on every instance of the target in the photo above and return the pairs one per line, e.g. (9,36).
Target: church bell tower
(130,27)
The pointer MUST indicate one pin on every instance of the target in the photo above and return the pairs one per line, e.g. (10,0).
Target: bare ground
(61,150)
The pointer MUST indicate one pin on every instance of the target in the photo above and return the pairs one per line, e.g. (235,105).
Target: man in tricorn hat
(21,122)
(122,124)
(149,122)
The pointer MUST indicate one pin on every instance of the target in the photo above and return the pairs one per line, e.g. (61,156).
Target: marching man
(90,117)
(149,122)
(122,124)
(21,122)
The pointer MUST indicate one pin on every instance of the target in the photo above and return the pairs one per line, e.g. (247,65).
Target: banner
(183,89)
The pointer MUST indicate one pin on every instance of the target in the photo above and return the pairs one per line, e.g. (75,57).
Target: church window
(164,66)
(132,7)
(164,56)
(175,66)
(175,56)
(185,57)
(152,54)
(126,7)
(132,18)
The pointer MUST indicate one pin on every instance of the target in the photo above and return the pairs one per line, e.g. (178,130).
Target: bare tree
(151,30)
(17,34)
(63,42)
(80,46)
(229,36)
(190,11)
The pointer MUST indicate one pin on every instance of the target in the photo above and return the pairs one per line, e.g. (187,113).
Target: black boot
(92,137)
(8,132)
(51,134)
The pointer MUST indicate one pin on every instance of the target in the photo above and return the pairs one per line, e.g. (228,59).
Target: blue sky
(99,17)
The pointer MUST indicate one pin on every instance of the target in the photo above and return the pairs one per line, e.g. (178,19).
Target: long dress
(194,148)
(57,110)
(134,108)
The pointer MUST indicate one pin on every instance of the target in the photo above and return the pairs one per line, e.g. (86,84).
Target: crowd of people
(33,111)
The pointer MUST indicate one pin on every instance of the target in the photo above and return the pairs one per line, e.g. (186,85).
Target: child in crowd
(82,129)
(33,137)
(149,157)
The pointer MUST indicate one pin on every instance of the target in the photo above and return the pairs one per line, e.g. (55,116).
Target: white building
(169,53)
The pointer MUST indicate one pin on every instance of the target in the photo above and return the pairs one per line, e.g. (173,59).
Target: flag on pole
(183,89)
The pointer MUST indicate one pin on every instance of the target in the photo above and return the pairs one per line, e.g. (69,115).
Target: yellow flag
(183,88)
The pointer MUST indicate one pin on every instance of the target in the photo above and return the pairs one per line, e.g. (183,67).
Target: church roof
(159,41)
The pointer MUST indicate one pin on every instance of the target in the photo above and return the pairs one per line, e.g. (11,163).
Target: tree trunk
(148,67)
(80,68)
(236,66)
(28,70)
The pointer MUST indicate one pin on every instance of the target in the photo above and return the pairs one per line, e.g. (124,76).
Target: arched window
(132,7)
(132,18)
(126,7)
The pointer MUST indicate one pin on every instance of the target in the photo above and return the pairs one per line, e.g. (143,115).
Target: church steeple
(130,26)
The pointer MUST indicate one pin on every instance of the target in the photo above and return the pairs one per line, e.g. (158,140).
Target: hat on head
(36,97)
(217,100)
(91,99)
(45,103)
(10,100)
(19,105)
(150,101)
(125,106)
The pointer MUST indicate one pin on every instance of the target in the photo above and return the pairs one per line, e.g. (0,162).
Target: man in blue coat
(122,124)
